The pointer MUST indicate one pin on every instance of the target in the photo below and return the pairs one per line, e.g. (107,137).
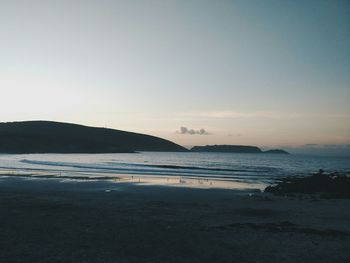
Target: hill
(57,137)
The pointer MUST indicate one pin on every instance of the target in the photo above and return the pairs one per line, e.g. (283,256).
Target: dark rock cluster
(331,185)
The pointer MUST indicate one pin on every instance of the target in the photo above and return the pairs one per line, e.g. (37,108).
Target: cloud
(331,146)
(311,145)
(328,146)
(236,115)
(185,130)
(234,134)
(259,115)
(321,149)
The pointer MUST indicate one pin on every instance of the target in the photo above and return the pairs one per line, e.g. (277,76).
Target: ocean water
(204,168)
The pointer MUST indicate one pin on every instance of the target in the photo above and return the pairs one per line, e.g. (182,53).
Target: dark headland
(234,149)
(57,137)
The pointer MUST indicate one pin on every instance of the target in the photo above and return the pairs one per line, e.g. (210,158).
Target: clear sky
(266,73)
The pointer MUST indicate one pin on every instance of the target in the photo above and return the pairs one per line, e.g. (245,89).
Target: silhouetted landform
(56,137)
(333,185)
(234,149)
(276,151)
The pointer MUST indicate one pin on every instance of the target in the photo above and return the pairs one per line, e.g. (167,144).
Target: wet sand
(44,220)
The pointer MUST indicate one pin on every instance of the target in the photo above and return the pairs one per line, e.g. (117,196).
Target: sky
(266,73)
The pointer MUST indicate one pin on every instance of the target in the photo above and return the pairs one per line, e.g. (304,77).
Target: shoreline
(145,179)
(44,220)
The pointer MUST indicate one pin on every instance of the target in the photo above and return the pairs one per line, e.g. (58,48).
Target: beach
(51,220)
(174,131)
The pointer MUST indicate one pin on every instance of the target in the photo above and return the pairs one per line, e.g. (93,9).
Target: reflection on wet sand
(176,181)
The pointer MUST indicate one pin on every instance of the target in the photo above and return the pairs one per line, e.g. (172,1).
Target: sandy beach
(44,220)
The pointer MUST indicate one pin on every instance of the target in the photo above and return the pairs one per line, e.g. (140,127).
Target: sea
(207,170)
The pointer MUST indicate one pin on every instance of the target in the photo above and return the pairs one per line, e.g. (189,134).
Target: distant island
(57,137)
(234,149)
(276,151)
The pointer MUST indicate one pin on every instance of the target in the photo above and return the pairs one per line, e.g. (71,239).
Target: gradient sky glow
(266,73)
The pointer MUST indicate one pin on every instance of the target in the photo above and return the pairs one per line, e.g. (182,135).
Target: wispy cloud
(185,130)
(320,149)
(234,134)
(323,146)
(212,115)
(237,115)
(311,145)
(259,115)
